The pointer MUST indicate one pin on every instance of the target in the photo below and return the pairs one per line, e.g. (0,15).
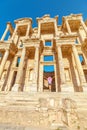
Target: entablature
(8,45)
(23,20)
(74,21)
(47,25)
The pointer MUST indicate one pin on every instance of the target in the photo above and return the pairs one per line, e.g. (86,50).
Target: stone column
(84,26)
(55,24)
(41,78)
(11,74)
(19,76)
(3,62)
(5,33)
(36,61)
(79,66)
(28,29)
(15,31)
(56,80)
(39,29)
(0,57)
(67,25)
(61,66)
(36,69)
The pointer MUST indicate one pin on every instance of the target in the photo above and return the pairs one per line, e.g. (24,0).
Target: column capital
(8,24)
(73,46)
(58,46)
(37,46)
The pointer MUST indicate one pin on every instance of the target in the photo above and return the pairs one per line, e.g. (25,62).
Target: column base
(15,88)
(67,88)
(84,86)
(26,89)
(33,88)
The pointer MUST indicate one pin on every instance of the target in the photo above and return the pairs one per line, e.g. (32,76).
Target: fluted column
(5,32)
(19,76)
(79,67)
(61,66)
(3,62)
(67,25)
(84,26)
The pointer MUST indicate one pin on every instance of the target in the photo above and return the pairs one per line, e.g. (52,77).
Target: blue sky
(14,9)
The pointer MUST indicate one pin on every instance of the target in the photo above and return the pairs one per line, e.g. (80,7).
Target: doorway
(48,73)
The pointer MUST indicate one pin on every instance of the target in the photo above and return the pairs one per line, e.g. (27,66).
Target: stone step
(14,127)
(32,106)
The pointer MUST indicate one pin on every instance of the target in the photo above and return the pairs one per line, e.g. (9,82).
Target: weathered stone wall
(45,110)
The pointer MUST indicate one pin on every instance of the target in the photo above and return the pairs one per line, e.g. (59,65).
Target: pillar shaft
(19,76)
(3,62)
(61,66)
(28,29)
(20,68)
(55,24)
(68,27)
(41,78)
(56,80)
(39,29)
(78,64)
(5,33)
(15,31)
(11,75)
(36,69)
(36,63)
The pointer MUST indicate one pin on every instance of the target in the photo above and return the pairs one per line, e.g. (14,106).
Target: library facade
(29,55)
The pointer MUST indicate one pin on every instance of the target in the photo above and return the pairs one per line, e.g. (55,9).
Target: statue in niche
(31,74)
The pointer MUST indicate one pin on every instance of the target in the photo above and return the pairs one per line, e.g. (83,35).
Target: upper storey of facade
(48,28)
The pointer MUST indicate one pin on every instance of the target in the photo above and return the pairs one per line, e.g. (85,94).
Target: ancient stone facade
(29,55)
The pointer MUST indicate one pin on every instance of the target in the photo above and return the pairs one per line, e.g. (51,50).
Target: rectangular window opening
(18,62)
(48,68)
(48,58)
(81,58)
(76,41)
(48,43)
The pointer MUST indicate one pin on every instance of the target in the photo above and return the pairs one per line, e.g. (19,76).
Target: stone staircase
(33,110)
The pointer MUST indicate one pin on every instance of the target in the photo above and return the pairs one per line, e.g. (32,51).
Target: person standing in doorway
(49,79)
